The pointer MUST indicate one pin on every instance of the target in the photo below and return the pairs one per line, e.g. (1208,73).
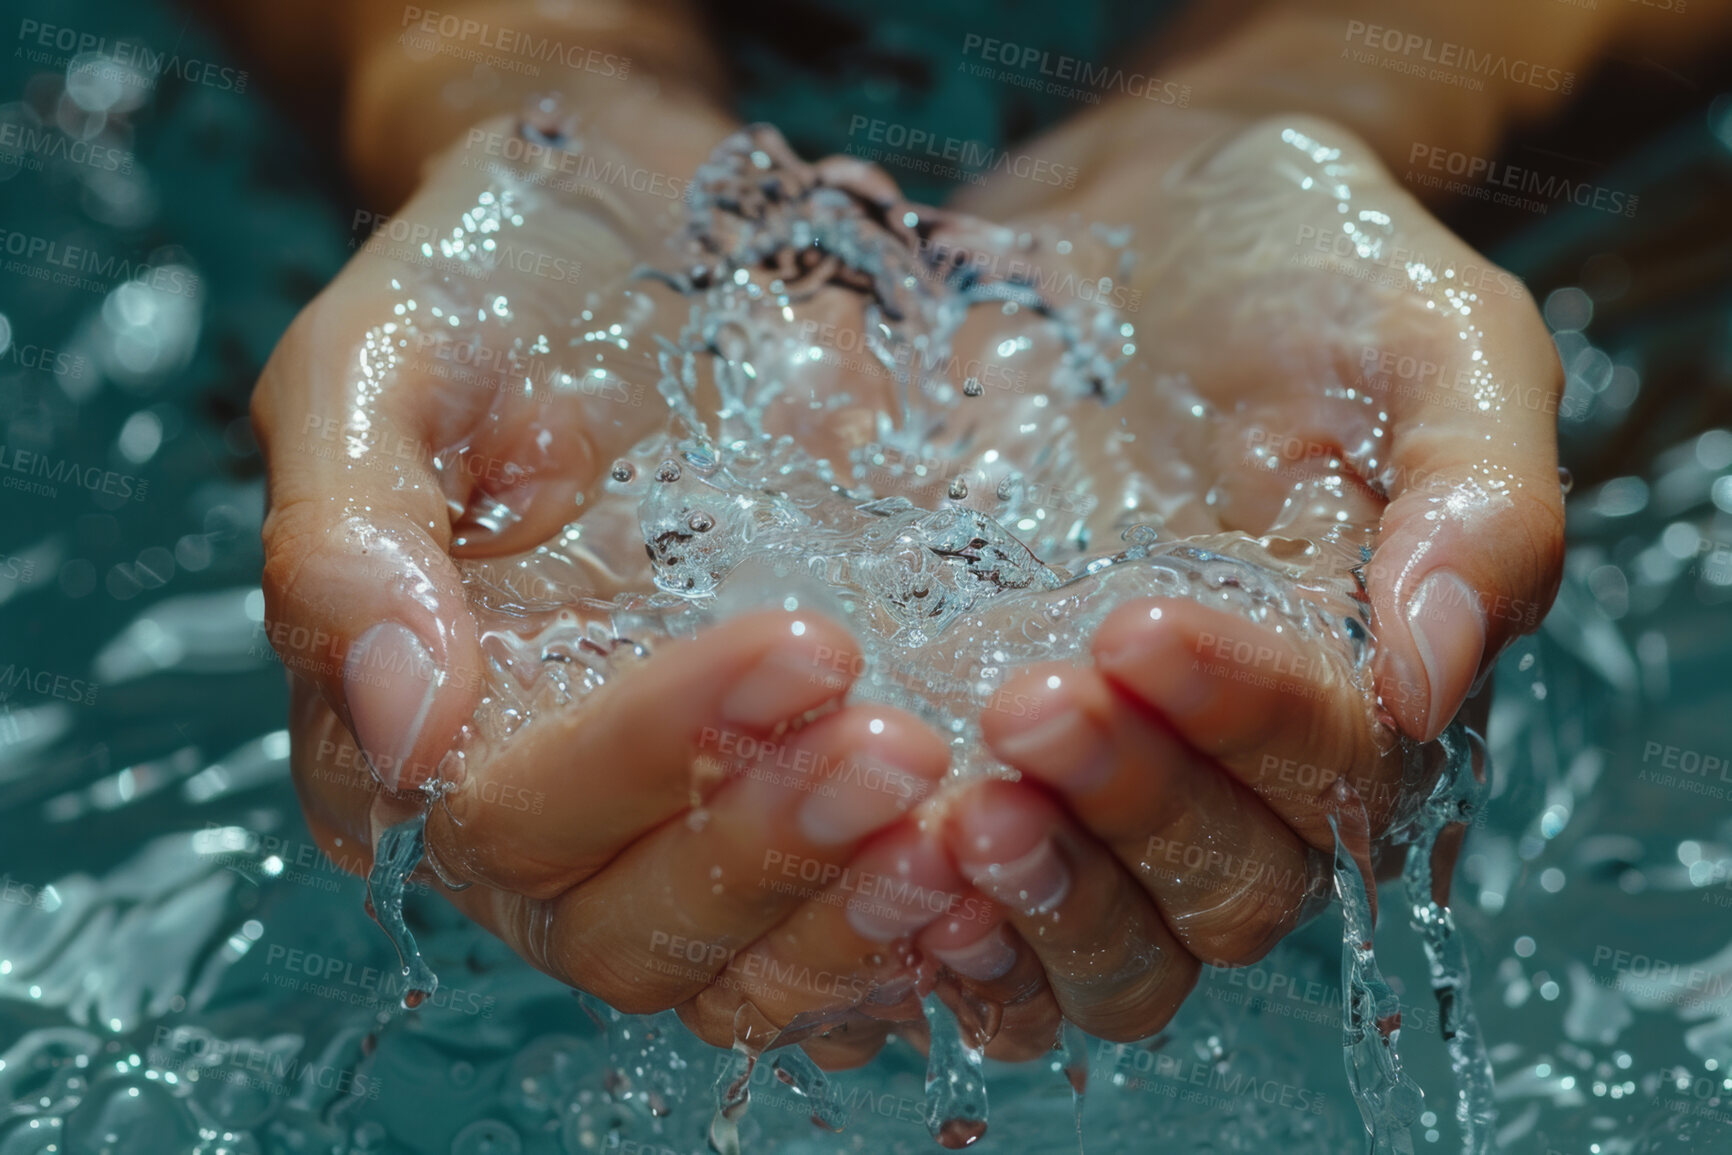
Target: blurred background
(181,969)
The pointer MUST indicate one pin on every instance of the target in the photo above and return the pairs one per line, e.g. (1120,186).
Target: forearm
(1403,73)
(415,77)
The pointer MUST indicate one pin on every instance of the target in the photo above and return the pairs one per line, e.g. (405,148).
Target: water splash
(955,1086)
(753,1034)
(806,1079)
(1453,804)
(1389,1100)
(397,851)
(1073,1063)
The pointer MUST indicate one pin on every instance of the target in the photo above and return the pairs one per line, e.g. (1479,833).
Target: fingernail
(778,688)
(1448,630)
(990,958)
(899,888)
(1034,883)
(858,798)
(880,921)
(1066,750)
(389,680)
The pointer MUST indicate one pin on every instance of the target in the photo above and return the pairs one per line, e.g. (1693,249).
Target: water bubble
(701,522)
(623,471)
(1006,488)
(973,387)
(958,488)
(668,471)
(130,1115)
(487,1137)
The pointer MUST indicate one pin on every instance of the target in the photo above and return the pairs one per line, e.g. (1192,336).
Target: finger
(1226,873)
(1470,550)
(331,776)
(1115,968)
(673,908)
(573,788)
(995,984)
(838,951)
(849,1044)
(374,450)
(1279,712)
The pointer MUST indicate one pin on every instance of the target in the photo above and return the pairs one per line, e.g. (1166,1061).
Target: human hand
(393,462)
(1376,378)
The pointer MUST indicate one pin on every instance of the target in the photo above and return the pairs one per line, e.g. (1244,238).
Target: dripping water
(397,851)
(955,1086)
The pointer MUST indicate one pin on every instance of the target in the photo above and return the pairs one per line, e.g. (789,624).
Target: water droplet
(955,1087)
(1566,480)
(701,522)
(669,471)
(973,387)
(623,471)
(396,854)
(958,488)
(1007,487)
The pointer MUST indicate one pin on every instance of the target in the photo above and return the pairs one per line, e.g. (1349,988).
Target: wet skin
(1165,818)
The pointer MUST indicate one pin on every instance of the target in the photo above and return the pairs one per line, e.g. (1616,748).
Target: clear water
(179,972)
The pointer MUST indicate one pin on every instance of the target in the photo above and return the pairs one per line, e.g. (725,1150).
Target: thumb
(1470,549)
(362,598)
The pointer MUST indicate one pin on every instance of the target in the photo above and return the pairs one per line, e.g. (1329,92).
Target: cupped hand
(648,841)
(1377,382)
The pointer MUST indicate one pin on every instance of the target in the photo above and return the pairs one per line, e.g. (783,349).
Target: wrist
(420,80)
(1297,62)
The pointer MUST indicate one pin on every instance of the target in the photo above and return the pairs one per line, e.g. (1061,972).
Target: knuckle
(1244,929)
(628,993)
(489,848)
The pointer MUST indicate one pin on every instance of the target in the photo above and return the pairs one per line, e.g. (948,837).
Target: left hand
(1175,797)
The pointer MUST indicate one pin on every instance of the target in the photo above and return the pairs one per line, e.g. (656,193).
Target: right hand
(622,845)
